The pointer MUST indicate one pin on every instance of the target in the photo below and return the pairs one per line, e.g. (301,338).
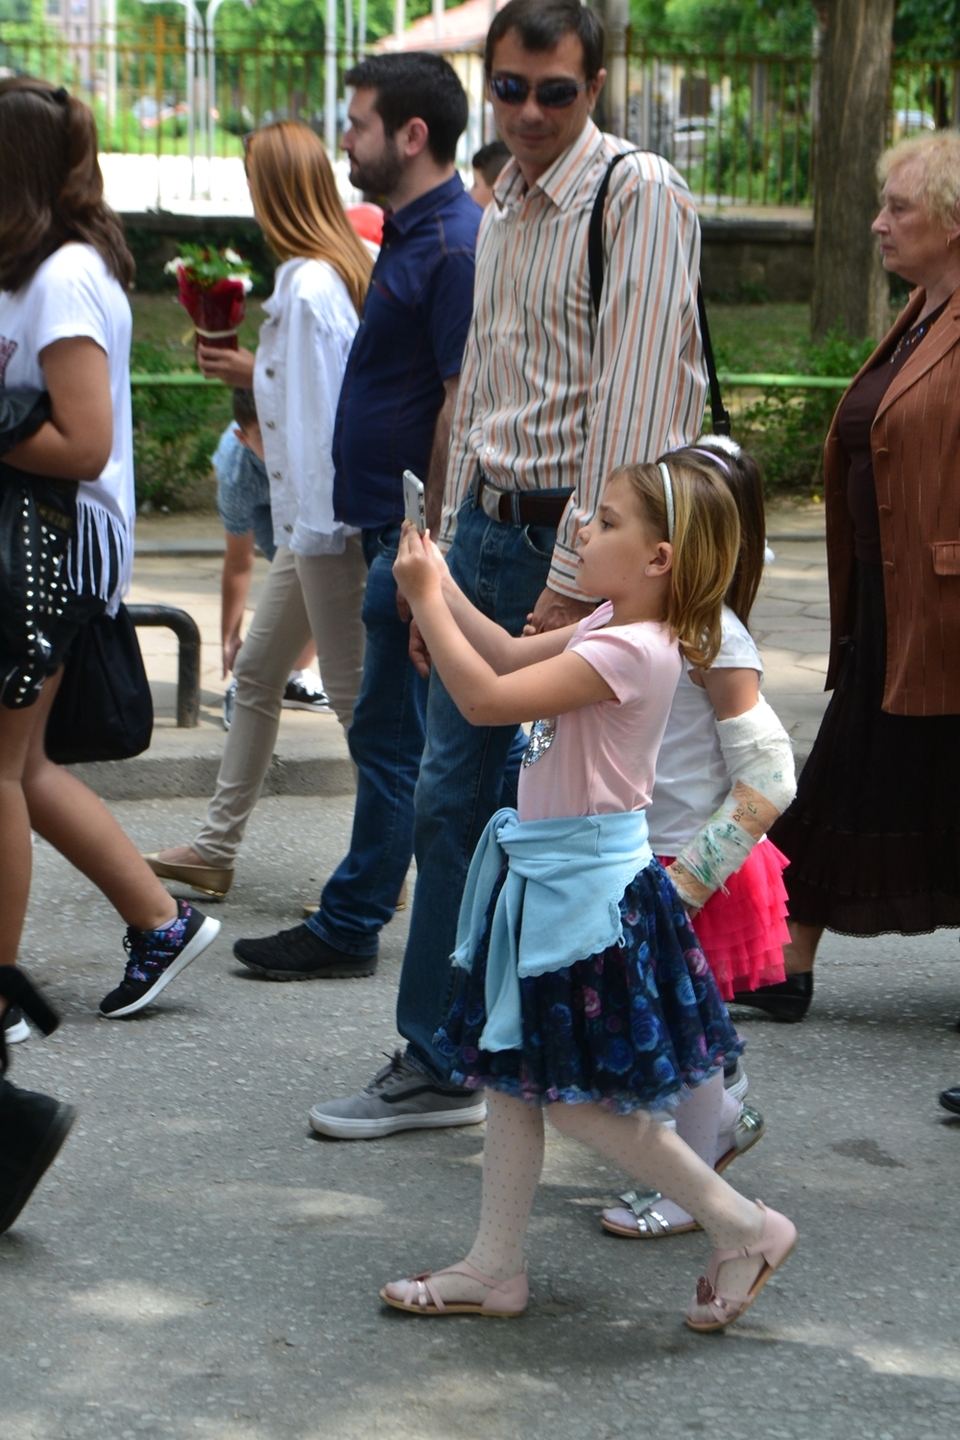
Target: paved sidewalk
(196,1264)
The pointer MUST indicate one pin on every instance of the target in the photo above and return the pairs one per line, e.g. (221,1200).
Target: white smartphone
(414,508)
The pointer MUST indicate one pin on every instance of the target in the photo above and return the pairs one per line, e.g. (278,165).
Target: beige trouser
(304,595)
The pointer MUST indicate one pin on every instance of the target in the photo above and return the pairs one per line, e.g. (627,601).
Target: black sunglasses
(551,94)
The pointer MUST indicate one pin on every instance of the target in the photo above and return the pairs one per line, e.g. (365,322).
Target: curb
(143,548)
(154,777)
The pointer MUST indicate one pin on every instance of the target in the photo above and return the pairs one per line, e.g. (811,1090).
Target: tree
(850,288)
(929,29)
(747,26)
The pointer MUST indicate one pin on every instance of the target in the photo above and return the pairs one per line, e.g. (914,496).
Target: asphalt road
(196,1264)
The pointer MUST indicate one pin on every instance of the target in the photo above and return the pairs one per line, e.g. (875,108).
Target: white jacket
(301,358)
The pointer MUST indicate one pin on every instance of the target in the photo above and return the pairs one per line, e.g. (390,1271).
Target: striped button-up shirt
(551,395)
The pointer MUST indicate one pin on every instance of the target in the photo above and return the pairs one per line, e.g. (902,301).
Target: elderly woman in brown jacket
(873,836)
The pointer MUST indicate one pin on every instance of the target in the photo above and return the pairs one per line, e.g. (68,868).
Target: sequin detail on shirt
(542,734)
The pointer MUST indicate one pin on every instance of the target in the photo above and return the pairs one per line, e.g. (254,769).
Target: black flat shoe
(950,1099)
(787,1002)
(32,1129)
(32,1126)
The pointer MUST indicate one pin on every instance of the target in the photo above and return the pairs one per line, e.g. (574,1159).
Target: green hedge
(175,432)
(785,429)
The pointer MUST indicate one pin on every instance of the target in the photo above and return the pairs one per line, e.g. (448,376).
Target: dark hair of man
(542,24)
(416,85)
(244,407)
(51,188)
(490,160)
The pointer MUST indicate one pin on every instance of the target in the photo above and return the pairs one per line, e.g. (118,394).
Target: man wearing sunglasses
(552,398)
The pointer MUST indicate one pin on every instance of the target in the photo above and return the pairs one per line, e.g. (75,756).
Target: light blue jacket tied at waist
(560,902)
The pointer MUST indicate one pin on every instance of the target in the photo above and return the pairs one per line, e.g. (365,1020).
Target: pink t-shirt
(601,759)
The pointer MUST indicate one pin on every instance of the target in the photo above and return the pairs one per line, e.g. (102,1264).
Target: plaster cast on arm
(756,751)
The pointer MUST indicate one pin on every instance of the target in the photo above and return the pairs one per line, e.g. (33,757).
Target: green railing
(734,381)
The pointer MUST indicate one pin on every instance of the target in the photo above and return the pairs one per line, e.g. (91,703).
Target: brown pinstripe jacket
(916,463)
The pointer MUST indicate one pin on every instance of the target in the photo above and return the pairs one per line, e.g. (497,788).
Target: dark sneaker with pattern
(303,691)
(157,957)
(298,954)
(399,1097)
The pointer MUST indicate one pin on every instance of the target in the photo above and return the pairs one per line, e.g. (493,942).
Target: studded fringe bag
(38,519)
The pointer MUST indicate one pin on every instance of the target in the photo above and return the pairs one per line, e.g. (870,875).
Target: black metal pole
(188,665)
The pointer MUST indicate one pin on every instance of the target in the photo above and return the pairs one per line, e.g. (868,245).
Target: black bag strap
(595,264)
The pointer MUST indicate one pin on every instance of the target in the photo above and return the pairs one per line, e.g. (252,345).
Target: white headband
(667,495)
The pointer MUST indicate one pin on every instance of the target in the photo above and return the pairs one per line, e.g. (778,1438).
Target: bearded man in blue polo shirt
(396,405)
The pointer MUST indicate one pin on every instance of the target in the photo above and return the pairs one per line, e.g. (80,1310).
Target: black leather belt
(522,507)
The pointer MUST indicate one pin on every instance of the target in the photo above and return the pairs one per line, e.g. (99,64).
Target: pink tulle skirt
(743,929)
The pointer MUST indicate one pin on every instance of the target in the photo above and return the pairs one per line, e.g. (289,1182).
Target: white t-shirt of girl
(601,759)
(692,778)
(73,294)
(301,359)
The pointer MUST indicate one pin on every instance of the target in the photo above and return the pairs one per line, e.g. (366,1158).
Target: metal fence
(741,129)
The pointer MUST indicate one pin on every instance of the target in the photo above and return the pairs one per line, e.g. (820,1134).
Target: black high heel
(32,1126)
(16,987)
(787,1002)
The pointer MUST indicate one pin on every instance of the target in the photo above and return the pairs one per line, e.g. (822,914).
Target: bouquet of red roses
(213,285)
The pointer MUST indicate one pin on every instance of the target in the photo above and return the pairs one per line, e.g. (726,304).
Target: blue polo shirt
(411,338)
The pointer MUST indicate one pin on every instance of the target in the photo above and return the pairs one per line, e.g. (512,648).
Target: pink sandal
(418,1296)
(710,1310)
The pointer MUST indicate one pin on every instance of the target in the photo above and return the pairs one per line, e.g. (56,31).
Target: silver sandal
(648,1223)
(745,1134)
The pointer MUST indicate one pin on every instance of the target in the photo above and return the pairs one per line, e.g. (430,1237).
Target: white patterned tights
(513,1157)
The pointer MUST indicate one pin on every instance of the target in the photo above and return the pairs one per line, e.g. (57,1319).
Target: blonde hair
(706,544)
(938,160)
(296,202)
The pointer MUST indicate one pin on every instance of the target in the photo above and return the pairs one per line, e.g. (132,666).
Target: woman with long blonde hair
(317,577)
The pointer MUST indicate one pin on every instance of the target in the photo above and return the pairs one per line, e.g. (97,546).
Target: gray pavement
(196,1264)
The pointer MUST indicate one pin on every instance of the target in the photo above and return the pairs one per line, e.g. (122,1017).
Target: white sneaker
(15,1028)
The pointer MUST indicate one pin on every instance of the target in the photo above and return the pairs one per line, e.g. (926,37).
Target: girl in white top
(74,294)
(65,328)
(721,737)
(580,989)
(318,575)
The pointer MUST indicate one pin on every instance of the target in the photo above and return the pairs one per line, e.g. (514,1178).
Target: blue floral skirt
(632,1028)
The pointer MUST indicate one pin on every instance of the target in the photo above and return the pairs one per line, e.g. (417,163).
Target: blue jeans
(386,741)
(467,772)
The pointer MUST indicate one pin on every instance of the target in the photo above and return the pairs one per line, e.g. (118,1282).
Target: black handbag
(38,519)
(103,709)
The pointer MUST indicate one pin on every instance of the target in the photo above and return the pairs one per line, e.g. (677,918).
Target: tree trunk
(850,287)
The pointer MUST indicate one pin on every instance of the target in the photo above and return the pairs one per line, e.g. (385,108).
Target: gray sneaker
(397,1098)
